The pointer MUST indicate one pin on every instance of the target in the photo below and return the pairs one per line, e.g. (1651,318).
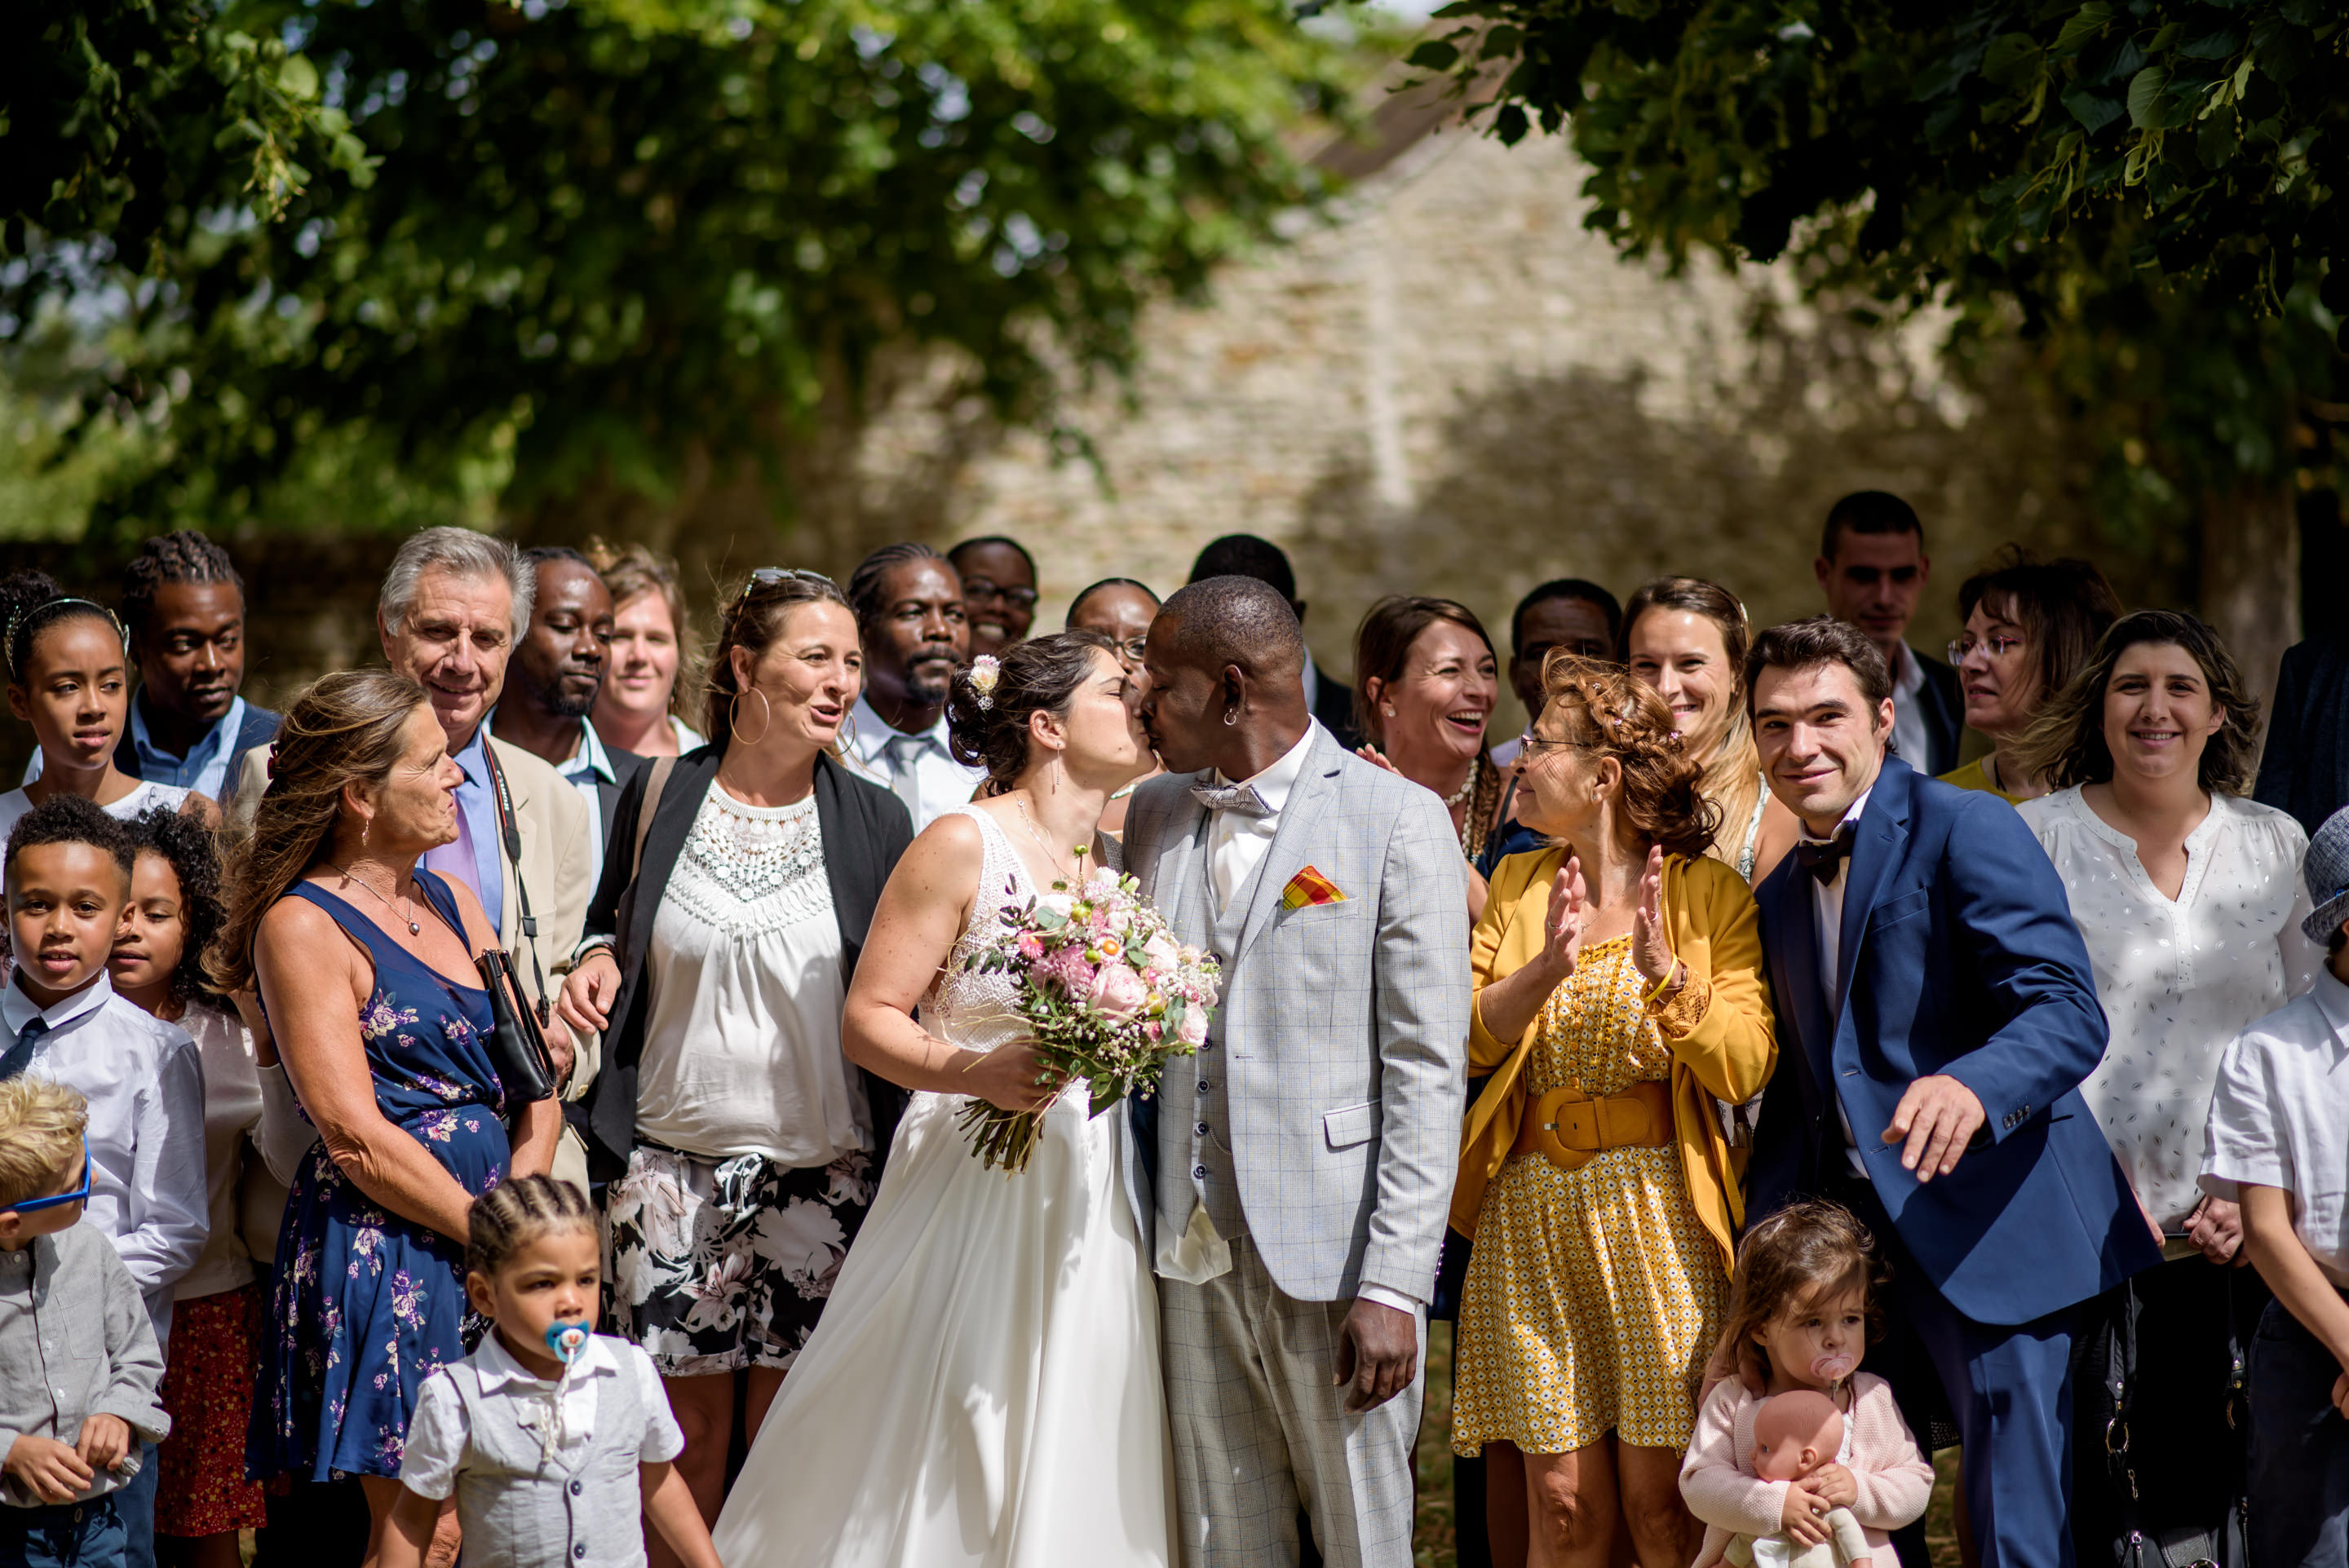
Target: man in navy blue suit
(1936,1014)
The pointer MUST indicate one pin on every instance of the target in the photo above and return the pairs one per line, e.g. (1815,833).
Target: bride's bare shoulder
(945,857)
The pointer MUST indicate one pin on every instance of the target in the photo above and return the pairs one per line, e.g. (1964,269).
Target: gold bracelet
(1672,982)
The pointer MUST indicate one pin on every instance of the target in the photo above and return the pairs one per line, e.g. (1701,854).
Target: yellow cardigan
(1726,1054)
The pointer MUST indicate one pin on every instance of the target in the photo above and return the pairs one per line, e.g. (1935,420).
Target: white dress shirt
(145,1086)
(1909,736)
(2280,1117)
(2179,978)
(918,770)
(1827,916)
(1236,843)
(588,765)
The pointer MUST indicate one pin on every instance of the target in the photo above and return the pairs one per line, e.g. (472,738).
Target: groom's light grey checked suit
(1319,1130)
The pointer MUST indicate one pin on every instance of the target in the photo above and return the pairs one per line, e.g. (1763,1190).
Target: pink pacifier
(568,1341)
(1832,1368)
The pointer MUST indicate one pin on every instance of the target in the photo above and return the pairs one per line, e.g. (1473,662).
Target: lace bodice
(970,1009)
(747,870)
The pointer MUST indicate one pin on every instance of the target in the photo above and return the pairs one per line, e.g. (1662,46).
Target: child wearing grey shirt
(78,1361)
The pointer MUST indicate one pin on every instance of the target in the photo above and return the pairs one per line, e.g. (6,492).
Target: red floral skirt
(208,1380)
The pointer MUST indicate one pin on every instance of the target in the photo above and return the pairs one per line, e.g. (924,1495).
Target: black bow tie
(1824,857)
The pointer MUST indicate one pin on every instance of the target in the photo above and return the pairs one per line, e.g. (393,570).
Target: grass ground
(1434,1545)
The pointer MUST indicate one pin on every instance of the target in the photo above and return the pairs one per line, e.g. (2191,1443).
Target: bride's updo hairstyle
(991,700)
(1607,711)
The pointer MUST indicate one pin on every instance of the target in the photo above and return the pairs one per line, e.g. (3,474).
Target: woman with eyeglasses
(2030,625)
(1120,609)
(998,589)
(743,1149)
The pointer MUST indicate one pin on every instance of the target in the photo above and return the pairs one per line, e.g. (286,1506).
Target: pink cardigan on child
(1719,1485)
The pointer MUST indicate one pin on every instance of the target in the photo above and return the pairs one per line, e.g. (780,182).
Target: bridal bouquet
(1107,991)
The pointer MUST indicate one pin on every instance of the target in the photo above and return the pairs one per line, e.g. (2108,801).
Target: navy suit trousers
(2007,1388)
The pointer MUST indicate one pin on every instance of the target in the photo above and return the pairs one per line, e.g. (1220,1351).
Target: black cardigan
(865,829)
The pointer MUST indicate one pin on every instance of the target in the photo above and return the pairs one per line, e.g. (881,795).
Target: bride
(984,1387)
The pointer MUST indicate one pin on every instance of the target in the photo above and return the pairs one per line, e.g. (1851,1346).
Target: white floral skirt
(719,1265)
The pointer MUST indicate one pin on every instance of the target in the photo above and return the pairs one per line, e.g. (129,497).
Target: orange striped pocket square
(1309,888)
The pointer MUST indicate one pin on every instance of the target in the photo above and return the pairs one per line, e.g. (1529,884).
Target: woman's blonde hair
(634,572)
(41,1129)
(516,1213)
(348,728)
(1733,774)
(1606,711)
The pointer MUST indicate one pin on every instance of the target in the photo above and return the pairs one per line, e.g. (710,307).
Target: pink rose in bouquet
(1108,993)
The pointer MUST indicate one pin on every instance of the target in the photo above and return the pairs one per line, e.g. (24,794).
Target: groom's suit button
(1203,1086)
(579,1551)
(1198,1172)
(1202,1130)
(577,1487)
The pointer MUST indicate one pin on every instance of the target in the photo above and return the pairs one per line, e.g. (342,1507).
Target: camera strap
(509,835)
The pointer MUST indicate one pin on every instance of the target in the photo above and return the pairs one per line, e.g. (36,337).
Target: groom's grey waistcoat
(1337,1055)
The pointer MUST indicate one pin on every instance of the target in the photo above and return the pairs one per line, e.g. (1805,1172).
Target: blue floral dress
(367,1305)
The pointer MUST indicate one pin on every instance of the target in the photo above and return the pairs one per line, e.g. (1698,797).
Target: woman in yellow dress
(1618,995)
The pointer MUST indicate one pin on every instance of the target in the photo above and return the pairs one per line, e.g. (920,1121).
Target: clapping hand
(1651,945)
(1562,928)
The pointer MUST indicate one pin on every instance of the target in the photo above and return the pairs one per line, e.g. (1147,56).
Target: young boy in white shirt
(69,884)
(2278,1144)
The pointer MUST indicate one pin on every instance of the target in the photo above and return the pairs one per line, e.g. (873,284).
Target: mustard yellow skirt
(1592,1302)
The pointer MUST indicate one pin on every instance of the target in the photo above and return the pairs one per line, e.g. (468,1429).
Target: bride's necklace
(1051,856)
(1476,768)
(415,927)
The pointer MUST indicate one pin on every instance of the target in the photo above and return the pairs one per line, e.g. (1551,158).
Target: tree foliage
(2152,183)
(592,238)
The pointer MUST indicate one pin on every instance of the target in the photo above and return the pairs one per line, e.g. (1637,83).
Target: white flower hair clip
(985,670)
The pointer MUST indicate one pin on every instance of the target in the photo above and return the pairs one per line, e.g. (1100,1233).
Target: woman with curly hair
(1618,993)
(177,909)
(2189,896)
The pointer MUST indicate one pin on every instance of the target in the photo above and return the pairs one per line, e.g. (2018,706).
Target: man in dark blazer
(1936,1014)
(2305,768)
(1873,569)
(1246,555)
(552,681)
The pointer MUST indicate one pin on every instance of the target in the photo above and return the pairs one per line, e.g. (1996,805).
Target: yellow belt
(1567,1127)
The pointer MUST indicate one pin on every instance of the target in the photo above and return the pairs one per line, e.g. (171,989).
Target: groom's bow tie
(1824,857)
(1240,797)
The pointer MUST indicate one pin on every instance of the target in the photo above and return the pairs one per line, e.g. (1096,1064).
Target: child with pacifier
(554,1439)
(1798,1321)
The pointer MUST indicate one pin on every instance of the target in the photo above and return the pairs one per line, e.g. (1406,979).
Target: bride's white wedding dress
(984,1387)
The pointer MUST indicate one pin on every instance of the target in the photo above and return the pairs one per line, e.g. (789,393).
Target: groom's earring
(1231,716)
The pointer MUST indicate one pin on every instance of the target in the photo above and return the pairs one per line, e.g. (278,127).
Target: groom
(1303,1161)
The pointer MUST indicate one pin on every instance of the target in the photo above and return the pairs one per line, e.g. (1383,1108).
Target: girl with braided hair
(1619,991)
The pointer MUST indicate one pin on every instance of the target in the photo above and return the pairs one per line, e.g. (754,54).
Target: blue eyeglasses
(34,1205)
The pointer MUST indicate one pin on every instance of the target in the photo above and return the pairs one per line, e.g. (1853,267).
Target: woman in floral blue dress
(365,965)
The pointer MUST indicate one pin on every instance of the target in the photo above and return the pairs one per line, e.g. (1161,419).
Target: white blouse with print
(2180,979)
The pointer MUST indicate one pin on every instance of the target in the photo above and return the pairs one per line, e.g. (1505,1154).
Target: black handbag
(2157,1525)
(526,1068)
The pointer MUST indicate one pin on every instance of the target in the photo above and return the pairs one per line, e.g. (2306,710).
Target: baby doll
(1794,1434)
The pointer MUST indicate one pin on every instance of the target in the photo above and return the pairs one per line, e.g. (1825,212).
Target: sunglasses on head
(768,576)
(34,1205)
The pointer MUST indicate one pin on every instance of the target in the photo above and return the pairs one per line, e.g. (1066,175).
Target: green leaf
(299,78)
(1500,43)
(2011,59)
(1433,54)
(2086,26)
(2093,110)
(2144,92)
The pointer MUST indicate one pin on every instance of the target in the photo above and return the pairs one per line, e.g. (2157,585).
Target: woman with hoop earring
(742,1148)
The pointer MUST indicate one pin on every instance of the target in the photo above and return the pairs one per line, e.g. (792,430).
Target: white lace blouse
(741,1049)
(2178,980)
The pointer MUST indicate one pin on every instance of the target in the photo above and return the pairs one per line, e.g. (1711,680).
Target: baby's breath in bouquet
(1108,993)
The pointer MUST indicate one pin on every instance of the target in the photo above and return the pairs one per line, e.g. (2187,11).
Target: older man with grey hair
(451,608)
